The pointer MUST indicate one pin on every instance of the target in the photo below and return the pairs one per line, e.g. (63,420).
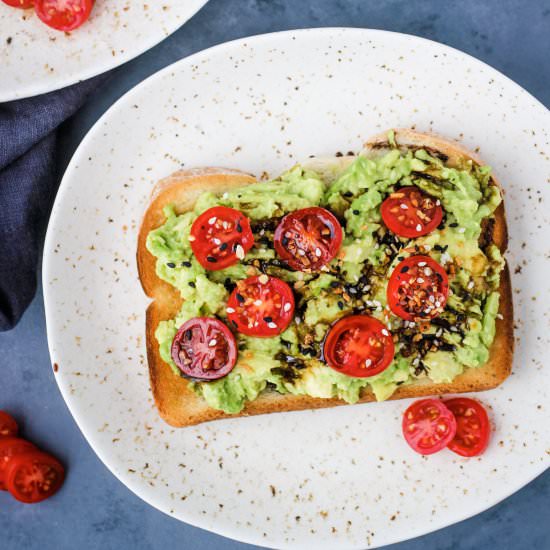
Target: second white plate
(335,478)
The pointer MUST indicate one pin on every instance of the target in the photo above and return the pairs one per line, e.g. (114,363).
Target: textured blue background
(94,510)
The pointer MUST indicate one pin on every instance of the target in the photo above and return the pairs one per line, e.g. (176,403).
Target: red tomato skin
(443,413)
(8,425)
(24,460)
(262,331)
(392,223)
(9,447)
(328,220)
(22,4)
(64,19)
(205,323)
(397,277)
(455,445)
(361,322)
(203,250)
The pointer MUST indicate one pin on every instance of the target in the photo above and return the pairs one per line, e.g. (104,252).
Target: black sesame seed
(356,212)
(341,304)
(211,259)
(192,284)
(404,269)
(171,264)
(223,246)
(240,298)
(334,284)
(188,334)
(239,227)
(400,258)
(348,194)
(186,264)
(268,319)
(454,224)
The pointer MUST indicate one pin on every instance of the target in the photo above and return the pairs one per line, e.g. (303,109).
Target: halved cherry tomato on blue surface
(9,447)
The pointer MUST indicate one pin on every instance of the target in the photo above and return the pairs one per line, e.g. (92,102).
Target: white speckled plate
(335,478)
(35,59)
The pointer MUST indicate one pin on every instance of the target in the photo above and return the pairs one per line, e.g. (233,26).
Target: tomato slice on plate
(261,306)
(34,476)
(409,212)
(23,4)
(8,425)
(204,348)
(359,345)
(308,239)
(428,426)
(472,426)
(9,447)
(220,237)
(63,15)
(418,289)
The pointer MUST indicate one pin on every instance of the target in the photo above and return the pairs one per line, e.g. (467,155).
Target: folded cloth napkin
(27,186)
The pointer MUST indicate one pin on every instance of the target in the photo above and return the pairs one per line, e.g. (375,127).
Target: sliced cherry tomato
(34,476)
(428,426)
(9,447)
(220,237)
(418,289)
(359,345)
(8,425)
(23,4)
(308,239)
(261,306)
(409,212)
(204,348)
(63,15)
(472,426)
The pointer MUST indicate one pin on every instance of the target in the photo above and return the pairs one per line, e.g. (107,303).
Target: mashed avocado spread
(353,282)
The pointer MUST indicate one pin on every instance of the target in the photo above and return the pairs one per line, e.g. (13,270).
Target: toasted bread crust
(179,406)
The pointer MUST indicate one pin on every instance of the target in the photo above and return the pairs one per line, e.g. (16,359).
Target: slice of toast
(180,406)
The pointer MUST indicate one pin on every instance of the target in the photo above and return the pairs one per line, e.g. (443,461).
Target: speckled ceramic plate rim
(236,533)
(42,87)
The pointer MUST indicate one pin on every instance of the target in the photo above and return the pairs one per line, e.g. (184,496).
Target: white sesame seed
(271,325)
(191,238)
(403,206)
(216,241)
(239,252)
(225,225)
(229,310)
(263,278)
(318,252)
(471,284)
(437,202)
(225,195)
(297,320)
(212,342)
(287,307)
(431,298)
(421,264)
(419,280)
(439,332)
(368,362)
(427,271)
(437,303)
(461,229)
(301,252)
(257,303)
(212,220)
(385,332)
(500,316)
(419,227)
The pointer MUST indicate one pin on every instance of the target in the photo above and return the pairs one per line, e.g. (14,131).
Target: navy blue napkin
(27,186)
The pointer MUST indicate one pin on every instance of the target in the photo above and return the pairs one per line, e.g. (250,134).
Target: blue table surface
(94,510)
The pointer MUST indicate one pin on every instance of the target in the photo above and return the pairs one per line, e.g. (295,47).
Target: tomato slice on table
(10,447)
(63,15)
(359,345)
(261,306)
(472,426)
(418,289)
(308,239)
(204,348)
(409,212)
(220,237)
(23,4)
(428,426)
(34,476)
(8,425)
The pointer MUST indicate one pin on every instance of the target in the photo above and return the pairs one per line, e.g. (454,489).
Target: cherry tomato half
(261,306)
(472,426)
(409,212)
(9,447)
(204,348)
(63,15)
(418,288)
(220,237)
(428,426)
(359,345)
(23,4)
(34,476)
(8,425)
(308,239)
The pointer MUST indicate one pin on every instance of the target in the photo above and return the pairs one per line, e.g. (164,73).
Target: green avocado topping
(355,281)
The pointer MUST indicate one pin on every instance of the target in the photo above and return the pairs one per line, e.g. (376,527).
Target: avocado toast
(468,347)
